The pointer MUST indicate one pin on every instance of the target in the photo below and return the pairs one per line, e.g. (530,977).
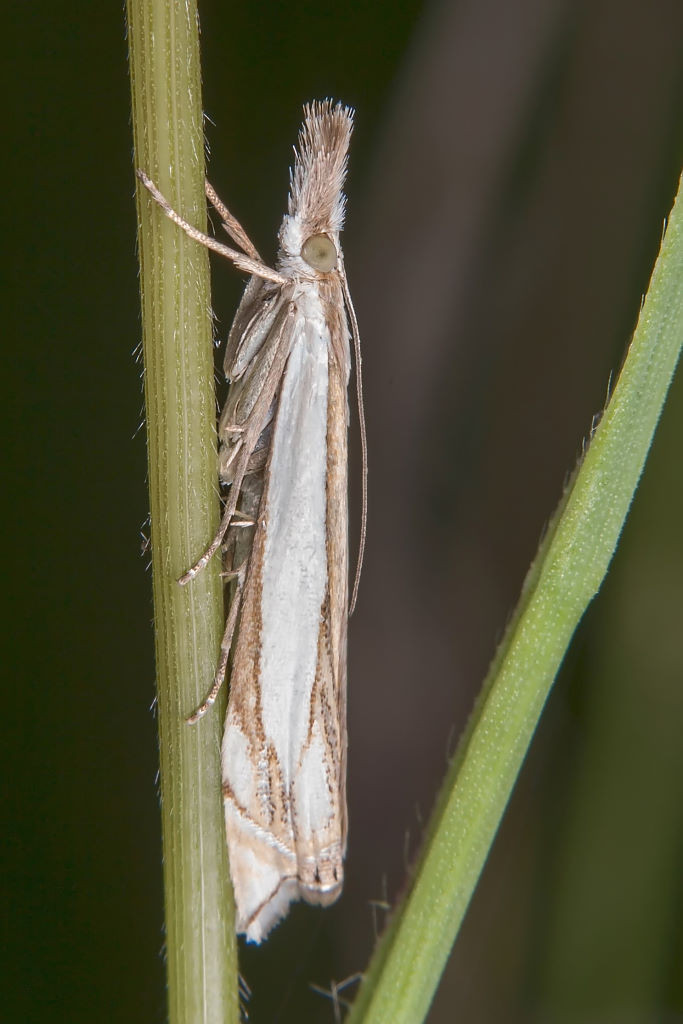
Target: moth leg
(230,574)
(231,456)
(226,519)
(243,523)
(226,644)
(251,435)
(213,547)
(251,266)
(231,224)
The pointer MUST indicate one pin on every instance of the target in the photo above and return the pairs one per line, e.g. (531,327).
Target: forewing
(285,737)
(253,320)
(260,340)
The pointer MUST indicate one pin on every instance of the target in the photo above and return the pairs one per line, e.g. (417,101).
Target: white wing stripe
(295,561)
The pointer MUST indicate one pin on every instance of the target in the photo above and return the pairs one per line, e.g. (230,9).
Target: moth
(284,536)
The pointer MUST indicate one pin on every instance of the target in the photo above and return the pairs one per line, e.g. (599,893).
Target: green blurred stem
(573,559)
(180,408)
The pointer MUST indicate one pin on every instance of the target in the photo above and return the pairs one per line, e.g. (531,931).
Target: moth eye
(320,253)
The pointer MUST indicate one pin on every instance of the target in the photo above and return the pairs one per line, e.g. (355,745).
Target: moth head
(309,235)
(319,252)
(307,250)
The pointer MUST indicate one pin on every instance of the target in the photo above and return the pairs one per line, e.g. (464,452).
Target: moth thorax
(320,253)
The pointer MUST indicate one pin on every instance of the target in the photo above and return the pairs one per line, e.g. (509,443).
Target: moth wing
(253,321)
(319,790)
(284,747)
(256,337)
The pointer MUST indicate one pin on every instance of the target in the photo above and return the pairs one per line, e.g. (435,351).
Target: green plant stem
(571,564)
(180,409)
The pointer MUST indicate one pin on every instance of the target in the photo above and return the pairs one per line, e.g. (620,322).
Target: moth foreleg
(231,225)
(251,266)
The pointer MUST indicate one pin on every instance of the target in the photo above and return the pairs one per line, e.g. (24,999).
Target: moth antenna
(363,437)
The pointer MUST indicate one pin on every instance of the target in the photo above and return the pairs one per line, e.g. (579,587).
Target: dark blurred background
(511,169)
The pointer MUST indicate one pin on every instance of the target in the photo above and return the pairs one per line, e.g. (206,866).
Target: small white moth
(283,453)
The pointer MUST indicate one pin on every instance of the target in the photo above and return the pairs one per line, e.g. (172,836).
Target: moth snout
(320,253)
